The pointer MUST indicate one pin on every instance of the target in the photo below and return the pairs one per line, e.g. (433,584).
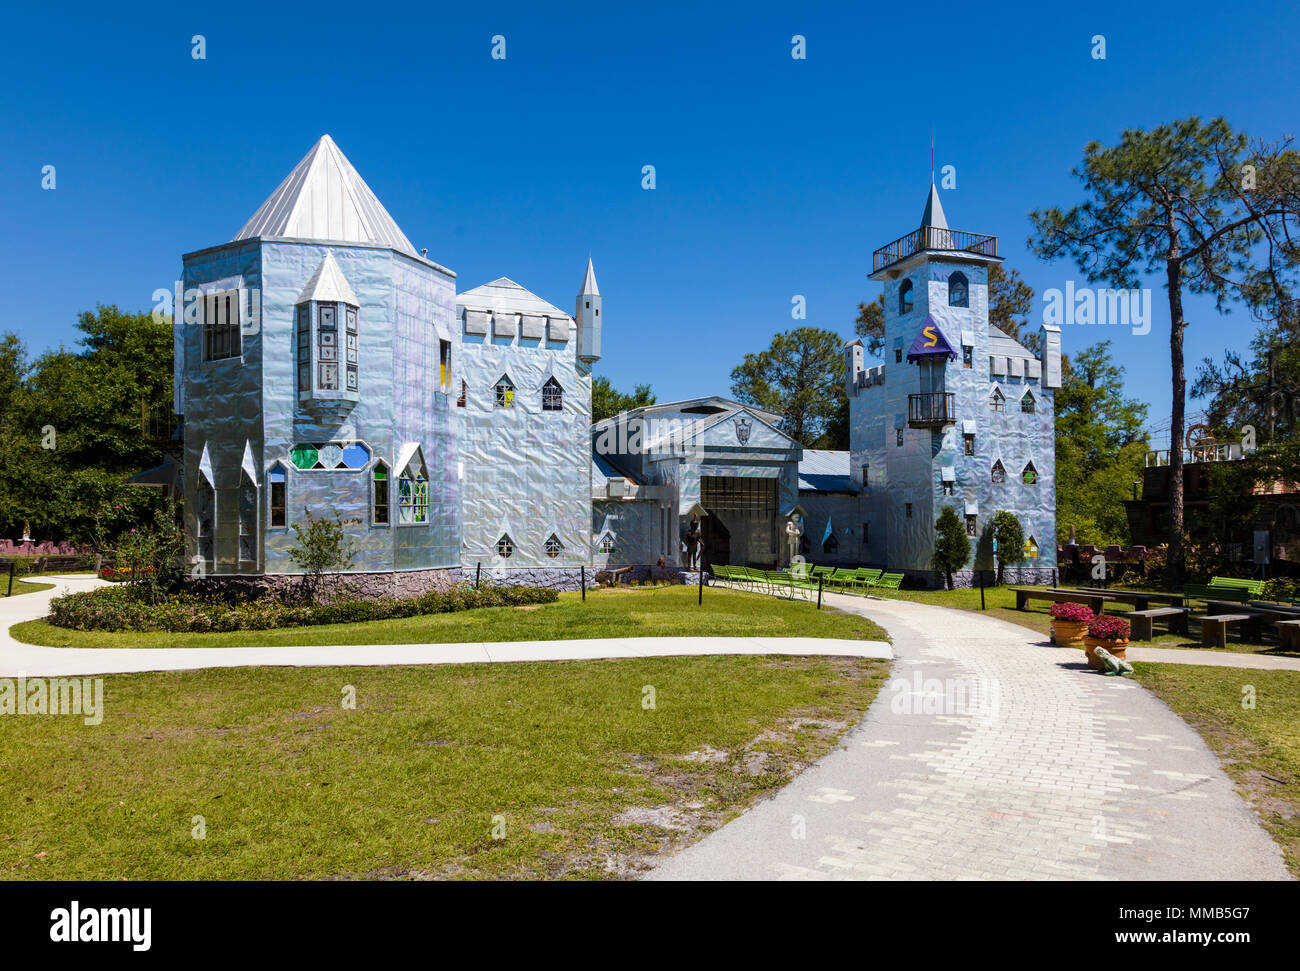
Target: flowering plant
(1106,628)
(1071,613)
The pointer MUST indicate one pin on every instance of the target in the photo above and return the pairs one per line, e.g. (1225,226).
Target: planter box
(1069,633)
(1115,647)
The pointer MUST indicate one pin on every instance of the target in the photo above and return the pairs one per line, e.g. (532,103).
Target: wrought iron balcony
(933,238)
(930,410)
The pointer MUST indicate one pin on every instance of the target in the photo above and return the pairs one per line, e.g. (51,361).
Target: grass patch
(25,586)
(586,781)
(1001,603)
(647,612)
(1259,747)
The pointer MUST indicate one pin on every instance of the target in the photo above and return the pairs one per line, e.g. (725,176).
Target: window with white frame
(552,396)
(413,493)
(221,335)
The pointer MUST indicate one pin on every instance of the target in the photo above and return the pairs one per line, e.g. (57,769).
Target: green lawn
(23,586)
(1001,602)
(637,612)
(564,761)
(1259,747)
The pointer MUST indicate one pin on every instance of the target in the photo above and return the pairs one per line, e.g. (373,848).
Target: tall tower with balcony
(959,413)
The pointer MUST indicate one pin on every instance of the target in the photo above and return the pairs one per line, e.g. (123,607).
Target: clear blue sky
(775,176)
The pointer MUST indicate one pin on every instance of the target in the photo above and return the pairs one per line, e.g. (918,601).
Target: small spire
(933,215)
(589,282)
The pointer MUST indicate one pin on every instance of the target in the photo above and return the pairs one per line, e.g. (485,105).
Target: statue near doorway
(693,536)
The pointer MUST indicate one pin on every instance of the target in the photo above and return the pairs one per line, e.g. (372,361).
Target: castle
(323,364)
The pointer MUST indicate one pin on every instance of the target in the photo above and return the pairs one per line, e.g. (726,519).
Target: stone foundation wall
(965,579)
(672,574)
(398,584)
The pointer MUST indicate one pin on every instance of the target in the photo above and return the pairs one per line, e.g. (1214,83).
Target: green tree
(1195,201)
(800,377)
(1010,536)
(71,433)
(323,549)
(871,325)
(606,402)
(1011,300)
(951,545)
(1100,447)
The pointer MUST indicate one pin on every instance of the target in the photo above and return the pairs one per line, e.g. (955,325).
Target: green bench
(1225,588)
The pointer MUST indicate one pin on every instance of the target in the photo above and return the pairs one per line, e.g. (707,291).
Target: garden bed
(129,609)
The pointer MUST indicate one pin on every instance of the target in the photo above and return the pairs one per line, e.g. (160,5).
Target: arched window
(204,519)
(905,297)
(1029,475)
(997,400)
(553,546)
(247,519)
(958,290)
(552,396)
(1027,403)
(999,475)
(505,546)
(413,493)
(278,480)
(505,390)
(379,494)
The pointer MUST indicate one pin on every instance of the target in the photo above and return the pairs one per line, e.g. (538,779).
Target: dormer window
(505,392)
(905,297)
(958,290)
(552,396)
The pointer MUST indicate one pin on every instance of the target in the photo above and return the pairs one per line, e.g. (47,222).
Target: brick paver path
(990,756)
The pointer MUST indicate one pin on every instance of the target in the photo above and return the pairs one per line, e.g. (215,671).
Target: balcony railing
(933,238)
(927,410)
(1225,452)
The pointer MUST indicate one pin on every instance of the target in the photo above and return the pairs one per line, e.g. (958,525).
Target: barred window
(505,391)
(738,492)
(505,546)
(997,402)
(553,546)
(552,396)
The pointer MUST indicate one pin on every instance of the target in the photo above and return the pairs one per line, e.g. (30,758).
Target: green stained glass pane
(381,474)
(305,456)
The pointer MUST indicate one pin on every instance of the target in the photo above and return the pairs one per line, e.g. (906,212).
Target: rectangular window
(381,496)
(970,525)
(464,394)
(350,346)
(948,488)
(444,364)
(327,347)
(304,347)
(968,357)
(907,506)
(970,444)
(898,436)
(866,533)
(741,493)
(276,479)
(221,339)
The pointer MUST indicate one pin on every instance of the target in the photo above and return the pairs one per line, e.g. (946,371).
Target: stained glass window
(1030,475)
(999,473)
(505,392)
(1031,549)
(1027,403)
(380,477)
(413,494)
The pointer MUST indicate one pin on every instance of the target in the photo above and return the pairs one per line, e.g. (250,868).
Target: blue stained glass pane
(355,456)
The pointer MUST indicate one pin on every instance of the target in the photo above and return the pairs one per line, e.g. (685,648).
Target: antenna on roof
(932,154)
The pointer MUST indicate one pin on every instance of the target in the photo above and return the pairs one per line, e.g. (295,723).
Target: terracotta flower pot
(1068,633)
(1090,644)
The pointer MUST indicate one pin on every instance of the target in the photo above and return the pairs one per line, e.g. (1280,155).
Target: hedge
(127,609)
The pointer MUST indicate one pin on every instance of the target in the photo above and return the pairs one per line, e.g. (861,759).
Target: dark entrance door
(717,541)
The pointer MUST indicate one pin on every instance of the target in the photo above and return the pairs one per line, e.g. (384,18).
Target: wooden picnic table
(1095,601)
(1140,601)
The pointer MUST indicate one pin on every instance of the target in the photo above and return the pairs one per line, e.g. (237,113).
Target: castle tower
(587,316)
(959,414)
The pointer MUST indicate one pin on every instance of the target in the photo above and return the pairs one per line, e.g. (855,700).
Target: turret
(588,317)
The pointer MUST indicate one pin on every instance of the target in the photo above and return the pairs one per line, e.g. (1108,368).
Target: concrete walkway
(991,756)
(17,659)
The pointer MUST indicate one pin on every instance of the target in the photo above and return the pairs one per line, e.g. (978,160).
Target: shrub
(131,609)
(1072,613)
(1280,588)
(1107,628)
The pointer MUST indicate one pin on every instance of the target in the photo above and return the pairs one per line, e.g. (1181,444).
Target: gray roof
(933,215)
(824,470)
(1003,345)
(507,296)
(589,281)
(324,198)
(602,470)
